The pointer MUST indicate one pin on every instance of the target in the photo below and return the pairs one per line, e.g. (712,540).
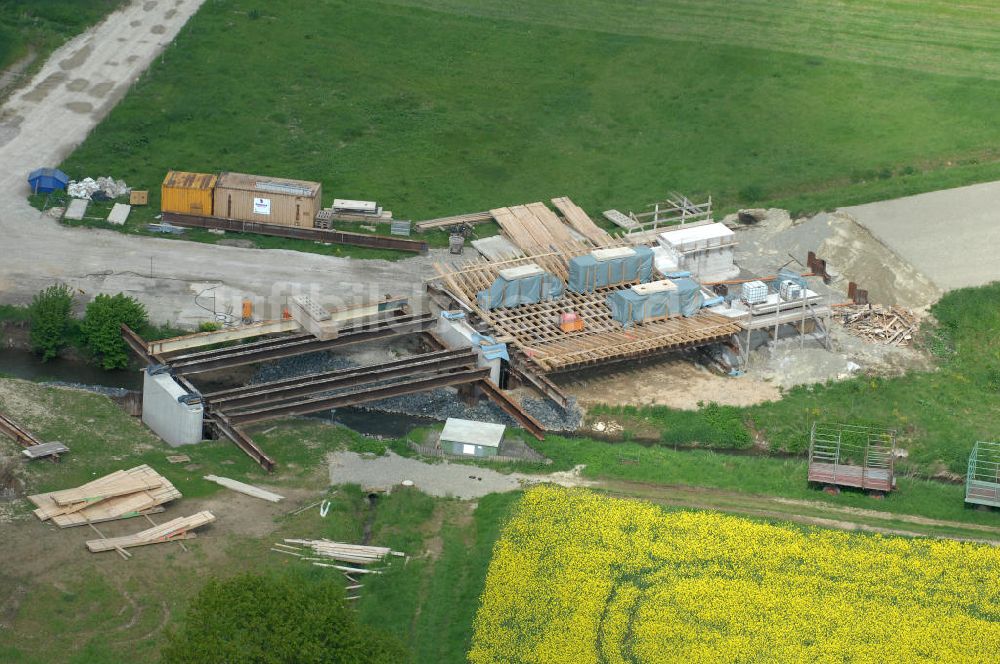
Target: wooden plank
(247,489)
(44,450)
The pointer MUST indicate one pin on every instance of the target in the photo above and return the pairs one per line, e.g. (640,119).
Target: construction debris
(247,489)
(108,187)
(892,326)
(121,495)
(177,529)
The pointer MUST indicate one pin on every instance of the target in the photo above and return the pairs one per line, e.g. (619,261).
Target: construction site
(389,334)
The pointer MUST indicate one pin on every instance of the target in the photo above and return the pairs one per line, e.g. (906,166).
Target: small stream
(25,364)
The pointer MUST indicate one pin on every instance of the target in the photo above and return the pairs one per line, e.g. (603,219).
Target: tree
(290,617)
(102,327)
(50,319)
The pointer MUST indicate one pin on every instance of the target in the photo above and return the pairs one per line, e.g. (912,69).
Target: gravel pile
(300,365)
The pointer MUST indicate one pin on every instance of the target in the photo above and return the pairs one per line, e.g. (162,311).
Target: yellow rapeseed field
(579,578)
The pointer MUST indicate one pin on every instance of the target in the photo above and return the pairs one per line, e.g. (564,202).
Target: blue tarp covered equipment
(47,180)
(525,284)
(661,299)
(610,267)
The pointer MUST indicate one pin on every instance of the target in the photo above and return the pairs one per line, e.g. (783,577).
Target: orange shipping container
(187,193)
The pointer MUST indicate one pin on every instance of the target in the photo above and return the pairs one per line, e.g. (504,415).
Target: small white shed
(471,438)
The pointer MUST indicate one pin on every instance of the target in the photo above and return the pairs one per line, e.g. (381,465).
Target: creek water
(25,364)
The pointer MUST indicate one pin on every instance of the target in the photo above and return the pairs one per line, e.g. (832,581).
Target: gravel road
(53,113)
(950,236)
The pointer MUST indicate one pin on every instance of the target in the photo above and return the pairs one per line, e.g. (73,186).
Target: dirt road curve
(53,113)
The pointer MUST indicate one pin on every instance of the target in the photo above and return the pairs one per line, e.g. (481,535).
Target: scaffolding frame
(982,482)
(851,455)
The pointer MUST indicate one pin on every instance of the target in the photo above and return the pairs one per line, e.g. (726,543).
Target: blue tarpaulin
(47,180)
(587,274)
(628,307)
(531,289)
(689,296)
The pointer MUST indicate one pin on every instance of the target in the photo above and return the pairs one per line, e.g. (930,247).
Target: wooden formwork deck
(534,329)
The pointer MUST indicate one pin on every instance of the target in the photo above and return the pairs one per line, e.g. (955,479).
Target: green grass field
(44,25)
(447,106)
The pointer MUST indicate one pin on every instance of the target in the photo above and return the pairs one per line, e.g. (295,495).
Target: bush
(102,327)
(286,618)
(208,326)
(49,314)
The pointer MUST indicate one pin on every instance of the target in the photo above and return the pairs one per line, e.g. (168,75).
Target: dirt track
(45,120)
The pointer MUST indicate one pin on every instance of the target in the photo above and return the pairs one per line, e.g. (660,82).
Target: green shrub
(102,327)
(278,618)
(209,326)
(50,316)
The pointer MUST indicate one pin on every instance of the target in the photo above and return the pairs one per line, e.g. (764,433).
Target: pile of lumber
(177,529)
(471,219)
(321,552)
(581,222)
(893,326)
(348,553)
(121,495)
(532,227)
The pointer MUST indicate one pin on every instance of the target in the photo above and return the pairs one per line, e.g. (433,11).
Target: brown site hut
(187,193)
(267,200)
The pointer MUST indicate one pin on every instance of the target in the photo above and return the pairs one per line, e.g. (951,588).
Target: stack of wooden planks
(177,529)
(349,553)
(893,326)
(319,552)
(471,219)
(121,495)
(532,227)
(579,220)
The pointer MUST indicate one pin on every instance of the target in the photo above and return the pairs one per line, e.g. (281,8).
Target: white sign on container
(262,206)
(468,449)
